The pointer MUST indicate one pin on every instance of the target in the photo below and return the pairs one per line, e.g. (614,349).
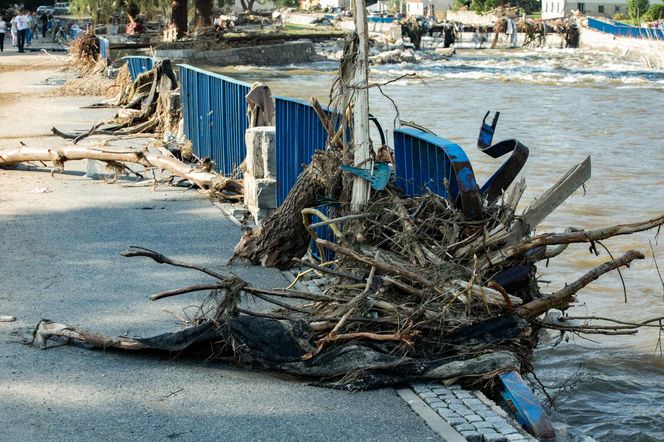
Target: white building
(596,8)
(427,7)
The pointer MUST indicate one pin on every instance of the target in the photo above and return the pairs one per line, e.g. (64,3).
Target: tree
(179,17)
(636,8)
(203,13)
(655,12)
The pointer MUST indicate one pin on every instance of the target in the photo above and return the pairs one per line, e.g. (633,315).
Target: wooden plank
(550,200)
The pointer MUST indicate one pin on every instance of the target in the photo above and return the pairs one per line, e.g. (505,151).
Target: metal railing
(215,116)
(426,162)
(138,64)
(105,50)
(623,30)
(299,133)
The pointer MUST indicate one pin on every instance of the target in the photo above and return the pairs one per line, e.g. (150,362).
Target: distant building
(427,7)
(596,8)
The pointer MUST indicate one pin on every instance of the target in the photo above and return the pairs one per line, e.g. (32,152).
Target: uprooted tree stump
(146,111)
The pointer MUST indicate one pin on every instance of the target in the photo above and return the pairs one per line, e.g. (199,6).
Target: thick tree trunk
(247,5)
(203,13)
(283,236)
(179,16)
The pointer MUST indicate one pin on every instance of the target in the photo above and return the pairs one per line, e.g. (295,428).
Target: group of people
(23,27)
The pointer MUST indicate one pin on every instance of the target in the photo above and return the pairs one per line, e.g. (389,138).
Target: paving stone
(517,437)
(442,391)
(454,401)
(473,418)
(420,388)
(436,403)
(446,413)
(464,427)
(454,387)
(461,409)
(494,437)
(483,425)
(473,401)
(454,421)
(472,436)
(506,429)
(462,394)
(427,394)
(495,419)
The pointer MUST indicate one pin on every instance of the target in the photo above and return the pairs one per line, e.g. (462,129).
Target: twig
(161,259)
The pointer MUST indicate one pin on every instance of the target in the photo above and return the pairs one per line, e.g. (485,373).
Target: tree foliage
(103,11)
(637,8)
(655,12)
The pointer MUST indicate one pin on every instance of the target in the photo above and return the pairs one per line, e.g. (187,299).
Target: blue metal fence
(74,33)
(299,133)
(105,49)
(624,30)
(215,116)
(138,64)
(427,162)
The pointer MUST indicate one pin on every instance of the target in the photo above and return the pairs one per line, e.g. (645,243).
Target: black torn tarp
(287,346)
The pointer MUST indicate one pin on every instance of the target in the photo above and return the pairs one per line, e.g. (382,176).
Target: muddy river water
(564,105)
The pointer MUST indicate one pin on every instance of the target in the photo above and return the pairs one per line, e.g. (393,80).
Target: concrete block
(254,159)
(420,388)
(428,394)
(266,193)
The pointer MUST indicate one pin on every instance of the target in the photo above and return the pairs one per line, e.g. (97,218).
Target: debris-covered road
(61,237)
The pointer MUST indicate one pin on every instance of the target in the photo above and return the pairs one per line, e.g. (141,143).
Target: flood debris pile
(91,69)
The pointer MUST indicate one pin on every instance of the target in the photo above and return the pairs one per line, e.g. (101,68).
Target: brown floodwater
(564,105)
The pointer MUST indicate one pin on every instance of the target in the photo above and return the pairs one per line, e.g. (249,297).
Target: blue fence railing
(215,116)
(427,162)
(138,64)
(624,30)
(105,49)
(74,33)
(299,133)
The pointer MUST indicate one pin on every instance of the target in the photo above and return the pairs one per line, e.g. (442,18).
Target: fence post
(260,180)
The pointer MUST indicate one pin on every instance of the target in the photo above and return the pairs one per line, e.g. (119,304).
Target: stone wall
(300,51)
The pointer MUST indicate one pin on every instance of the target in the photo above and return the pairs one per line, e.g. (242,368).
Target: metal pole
(361,147)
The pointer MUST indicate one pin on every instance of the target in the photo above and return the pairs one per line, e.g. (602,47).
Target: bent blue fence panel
(215,116)
(299,133)
(138,64)
(427,162)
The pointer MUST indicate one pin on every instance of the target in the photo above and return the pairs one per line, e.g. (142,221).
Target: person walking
(14,31)
(22,29)
(28,29)
(44,23)
(3,31)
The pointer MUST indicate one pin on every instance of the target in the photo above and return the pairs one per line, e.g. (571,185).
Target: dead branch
(561,298)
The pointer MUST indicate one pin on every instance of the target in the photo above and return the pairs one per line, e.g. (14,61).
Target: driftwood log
(59,156)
